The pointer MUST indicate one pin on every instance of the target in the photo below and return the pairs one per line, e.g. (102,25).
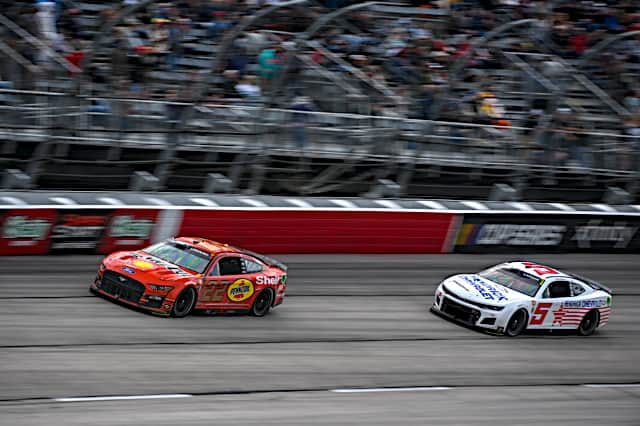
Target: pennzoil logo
(142,264)
(240,290)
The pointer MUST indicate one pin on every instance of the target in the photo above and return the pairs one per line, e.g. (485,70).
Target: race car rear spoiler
(593,284)
(265,259)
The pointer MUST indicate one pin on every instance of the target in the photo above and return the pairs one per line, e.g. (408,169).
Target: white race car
(511,297)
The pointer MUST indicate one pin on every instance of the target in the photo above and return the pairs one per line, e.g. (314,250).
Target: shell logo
(142,265)
(240,290)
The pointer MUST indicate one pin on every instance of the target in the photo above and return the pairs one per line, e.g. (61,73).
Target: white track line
(252,202)
(521,206)
(475,205)
(204,202)
(344,203)
(300,203)
(432,204)
(388,204)
(13,200)
(562,206)
(157,201)
(122,398)
(603,207)
(111,200)
(372,390)
(614,385)
(63,200)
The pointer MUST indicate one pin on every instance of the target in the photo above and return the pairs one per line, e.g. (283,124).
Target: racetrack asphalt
(349,323)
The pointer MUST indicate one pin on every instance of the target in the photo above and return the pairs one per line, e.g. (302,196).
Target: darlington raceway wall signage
(35,231)
(508,233)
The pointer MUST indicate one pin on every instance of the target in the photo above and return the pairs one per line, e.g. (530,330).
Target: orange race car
(178,275)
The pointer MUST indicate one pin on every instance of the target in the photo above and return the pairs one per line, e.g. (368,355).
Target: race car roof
(211,247)
(537,270)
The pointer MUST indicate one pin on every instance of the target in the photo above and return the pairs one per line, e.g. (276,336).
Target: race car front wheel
(263,303)
(589,323)
(517,323)
(184,303)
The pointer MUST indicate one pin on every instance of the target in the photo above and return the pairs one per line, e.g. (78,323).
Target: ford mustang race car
(179,275)
(511,297)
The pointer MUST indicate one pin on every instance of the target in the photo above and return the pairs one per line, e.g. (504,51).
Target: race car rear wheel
(589,323)
(262,303)
(184,303)
(517,323)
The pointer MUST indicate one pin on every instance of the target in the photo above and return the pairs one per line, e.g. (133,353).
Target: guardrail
(58,223)
(151,122)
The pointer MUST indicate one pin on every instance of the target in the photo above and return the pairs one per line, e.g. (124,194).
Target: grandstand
(444,98)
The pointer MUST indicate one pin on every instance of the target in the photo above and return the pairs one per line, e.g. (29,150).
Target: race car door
(549,311)
(227,285)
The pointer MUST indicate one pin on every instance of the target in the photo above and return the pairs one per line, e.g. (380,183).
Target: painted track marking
(372,390)
(122,397)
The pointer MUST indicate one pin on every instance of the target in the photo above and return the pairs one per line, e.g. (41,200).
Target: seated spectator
(248,88)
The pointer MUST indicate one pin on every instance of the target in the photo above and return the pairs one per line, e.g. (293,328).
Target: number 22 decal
(540,313)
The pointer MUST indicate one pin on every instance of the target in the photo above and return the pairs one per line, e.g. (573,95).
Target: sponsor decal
(284,279)
(543,233)
(127,226)
(142,260)
(128,229)
(25,231)
(78,230)
(619,234)
(142,265)
(487,291)
(265,280)
(511,234)
(240,290)
(591,303)
(129,270)
(24,227)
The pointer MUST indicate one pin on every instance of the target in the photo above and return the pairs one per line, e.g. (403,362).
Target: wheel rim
(184,302)
(589,322)
(516,322)
(263,302)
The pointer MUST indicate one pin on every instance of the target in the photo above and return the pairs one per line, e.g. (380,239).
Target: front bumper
(123,295)
(448,305)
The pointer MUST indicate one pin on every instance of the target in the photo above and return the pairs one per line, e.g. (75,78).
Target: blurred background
(335,97)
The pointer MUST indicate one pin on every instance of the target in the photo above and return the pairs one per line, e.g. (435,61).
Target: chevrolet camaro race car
(179,275)
(512,297)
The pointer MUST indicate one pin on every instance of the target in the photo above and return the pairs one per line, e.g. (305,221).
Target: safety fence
(36,116)
(297,225)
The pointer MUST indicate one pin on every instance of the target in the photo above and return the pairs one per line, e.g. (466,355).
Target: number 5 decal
(540,269)
(540,313)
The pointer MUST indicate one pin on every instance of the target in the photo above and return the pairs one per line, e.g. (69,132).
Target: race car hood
(477,289)
(141,265)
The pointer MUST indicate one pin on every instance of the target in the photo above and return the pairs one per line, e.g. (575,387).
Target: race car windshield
(181,254)
(512,278)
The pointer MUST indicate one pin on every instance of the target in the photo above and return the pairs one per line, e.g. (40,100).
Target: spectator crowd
(407,57)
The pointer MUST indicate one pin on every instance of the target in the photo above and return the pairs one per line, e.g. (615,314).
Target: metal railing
(39,116)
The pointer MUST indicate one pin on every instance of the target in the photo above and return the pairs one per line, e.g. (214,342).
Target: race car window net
(180,254)
(512,278)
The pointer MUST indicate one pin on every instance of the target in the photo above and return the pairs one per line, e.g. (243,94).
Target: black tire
(184,303)
(262,303)
(589,323)
(517,323)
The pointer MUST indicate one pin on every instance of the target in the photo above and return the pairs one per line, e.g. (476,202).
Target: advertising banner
(26,231)
(321,231)
(129,229)
(42,231)
(489,233)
